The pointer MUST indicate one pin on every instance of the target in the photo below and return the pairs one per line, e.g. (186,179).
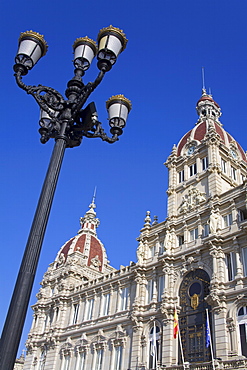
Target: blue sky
(160,71)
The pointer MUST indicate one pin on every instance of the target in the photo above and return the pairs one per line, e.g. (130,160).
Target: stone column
(136,355)
(199,225)
(221,337)
(213,253)
(198,165)
(233,346)
(169,345)
(154,297)
(138,281)
(186,172)
(143,284)
(239,268)
(110,312)
(221,267)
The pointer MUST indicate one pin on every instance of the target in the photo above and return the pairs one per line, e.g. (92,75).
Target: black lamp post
(66,122)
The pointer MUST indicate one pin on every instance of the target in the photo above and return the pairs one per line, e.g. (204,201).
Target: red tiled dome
(208,97)
(198,134)
(86,242)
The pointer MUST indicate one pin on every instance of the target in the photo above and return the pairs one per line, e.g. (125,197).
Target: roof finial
(92,205)
(94,194)
(204,92)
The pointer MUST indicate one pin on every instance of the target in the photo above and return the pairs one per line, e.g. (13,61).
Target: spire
(204,92)
(89,222)
(92,205)
(206,106)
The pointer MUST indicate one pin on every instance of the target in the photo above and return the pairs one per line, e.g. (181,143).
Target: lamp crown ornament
(37,36)
(82,40)
(121,98)
(114,31)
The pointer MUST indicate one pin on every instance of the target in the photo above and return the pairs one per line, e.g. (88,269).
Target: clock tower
(206,162)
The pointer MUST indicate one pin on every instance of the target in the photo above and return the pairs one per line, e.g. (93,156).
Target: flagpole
(211,344)
(176,330)
(153,347)
(181,347)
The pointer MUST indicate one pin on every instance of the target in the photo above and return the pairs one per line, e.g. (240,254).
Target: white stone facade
(91,316)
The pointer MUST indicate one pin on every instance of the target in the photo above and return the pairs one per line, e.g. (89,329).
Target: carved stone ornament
(193,198)
(194,301)
(230,324)
(61,260)
(95,262)
(140,253)
(218,303)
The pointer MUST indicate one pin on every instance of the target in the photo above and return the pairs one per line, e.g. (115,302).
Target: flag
(153,343)
(175,324)
(207,333)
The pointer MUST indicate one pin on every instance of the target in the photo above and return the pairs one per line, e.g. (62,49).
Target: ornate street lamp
(66,121)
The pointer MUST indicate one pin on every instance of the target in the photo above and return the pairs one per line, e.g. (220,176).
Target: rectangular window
(81,361)
(152,251)
(124,299)
(161,284)
(227,220)
(161,248)
(193,169)
(46,320)
(89,309)
(223,165)
(42,360)
(75,313)
(105,304)
(66,361)
(193,234)
(180,239)
(231,265)
(242,215)
(205,230)
(51,315)
(57,313)
(204,163)
(118,357)
(99,359)
(233,173)
(150,288)
(244,251)
(181,176)
(243,338)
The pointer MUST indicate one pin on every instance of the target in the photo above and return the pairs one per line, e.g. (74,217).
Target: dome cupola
(207,108)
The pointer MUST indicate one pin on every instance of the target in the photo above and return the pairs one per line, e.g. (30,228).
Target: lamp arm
(98,131)
(86,92)
(47,98)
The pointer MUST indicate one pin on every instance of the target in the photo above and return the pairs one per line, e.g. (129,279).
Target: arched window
(242,324)
(154,347)
(42,359)
(192,316)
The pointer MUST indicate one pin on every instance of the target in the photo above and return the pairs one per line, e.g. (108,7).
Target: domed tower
(206,162)
(80,259)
